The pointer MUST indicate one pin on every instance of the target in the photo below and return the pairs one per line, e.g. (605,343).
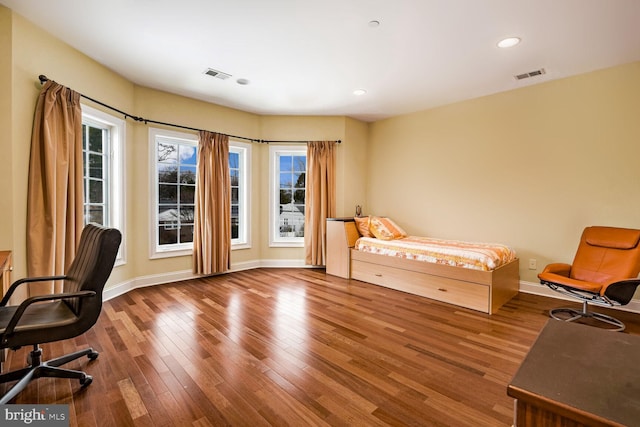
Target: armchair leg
(41,369)
(571,315)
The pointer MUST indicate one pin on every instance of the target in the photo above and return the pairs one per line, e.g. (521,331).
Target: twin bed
(478,276)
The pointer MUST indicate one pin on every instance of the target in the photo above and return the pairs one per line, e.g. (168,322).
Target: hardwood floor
(294,347)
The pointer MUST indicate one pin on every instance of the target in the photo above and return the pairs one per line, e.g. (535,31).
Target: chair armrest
(15,285)
(621,291)
(15,319)
(558,268)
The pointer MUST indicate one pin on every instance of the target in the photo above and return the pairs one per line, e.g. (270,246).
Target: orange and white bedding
(477,256)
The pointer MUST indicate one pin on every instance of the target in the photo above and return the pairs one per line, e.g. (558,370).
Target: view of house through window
(176,169)
(234,172)
(289,175)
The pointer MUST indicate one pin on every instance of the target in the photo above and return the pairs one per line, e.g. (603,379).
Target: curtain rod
(44,79)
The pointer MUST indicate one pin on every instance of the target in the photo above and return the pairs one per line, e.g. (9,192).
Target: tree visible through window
(289,179)
(95,145)
(176,169)
(173,184)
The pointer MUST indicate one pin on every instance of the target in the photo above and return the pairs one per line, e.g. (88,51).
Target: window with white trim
(103,170)
(288,169)
(173,189)
(239,170)
(173,185)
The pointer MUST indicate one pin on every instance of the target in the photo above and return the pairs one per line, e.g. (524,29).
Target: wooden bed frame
(484,291)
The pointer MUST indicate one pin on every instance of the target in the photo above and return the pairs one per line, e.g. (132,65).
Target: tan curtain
(320,202)
(212,229)
(54,199)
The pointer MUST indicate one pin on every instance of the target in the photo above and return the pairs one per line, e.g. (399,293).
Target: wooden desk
(577,375)
(5,270)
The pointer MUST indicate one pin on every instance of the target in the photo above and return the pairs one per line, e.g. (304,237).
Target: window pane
(187,194)
(186,234)
(291,221)
(286,164)
(298,197)
(168,215)
(95,191)
(95,215)
(299,180)
(188,155)
(167,236)
(285,197)
(235,180)
(95,165)
(186,214)
(167,153)
(300,163)
(234,160)
(95,139)
(168,193)
(84,137)
(234,195)
(188,175)
(167,173)
(286,180)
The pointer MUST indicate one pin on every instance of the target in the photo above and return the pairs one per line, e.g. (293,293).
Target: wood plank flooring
(294,347)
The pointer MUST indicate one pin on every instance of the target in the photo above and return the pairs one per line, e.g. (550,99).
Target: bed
(474,275)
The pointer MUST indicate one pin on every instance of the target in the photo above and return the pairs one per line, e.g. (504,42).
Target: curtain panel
(320,202)
(55,193)
(212,228)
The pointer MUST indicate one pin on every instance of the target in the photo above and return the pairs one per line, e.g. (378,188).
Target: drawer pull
(378,274)
(442,289)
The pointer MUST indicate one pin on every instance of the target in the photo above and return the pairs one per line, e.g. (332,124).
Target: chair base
(40,369)
(572,315)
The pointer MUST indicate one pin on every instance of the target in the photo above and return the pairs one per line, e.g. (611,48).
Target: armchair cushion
(609,237)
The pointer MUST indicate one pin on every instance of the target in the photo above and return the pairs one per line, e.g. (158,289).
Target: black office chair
(61,316)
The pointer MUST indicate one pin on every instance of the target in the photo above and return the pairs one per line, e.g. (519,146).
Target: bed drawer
(465,294)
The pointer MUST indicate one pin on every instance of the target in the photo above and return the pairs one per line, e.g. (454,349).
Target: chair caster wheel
(93,355)
(84,382)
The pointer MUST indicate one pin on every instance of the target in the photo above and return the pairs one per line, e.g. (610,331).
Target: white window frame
(275,151)
(115,168)
(244,232)
(244,239)
(155,250)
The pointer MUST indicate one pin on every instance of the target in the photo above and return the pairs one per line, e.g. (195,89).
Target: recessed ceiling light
(242,82)
(509,42)
(374,23)
(359,92)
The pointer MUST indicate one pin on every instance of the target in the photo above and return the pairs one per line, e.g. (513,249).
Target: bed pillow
(362,224)
(385,228)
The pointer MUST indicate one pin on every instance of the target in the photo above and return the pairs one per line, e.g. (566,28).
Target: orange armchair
(604,271)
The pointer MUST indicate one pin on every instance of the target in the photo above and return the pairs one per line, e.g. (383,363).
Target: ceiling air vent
(217,74)
(530,74)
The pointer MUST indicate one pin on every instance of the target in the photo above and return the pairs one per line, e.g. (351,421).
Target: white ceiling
(307,57)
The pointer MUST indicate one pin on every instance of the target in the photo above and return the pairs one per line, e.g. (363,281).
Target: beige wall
(530,167)
(36,52)
(6,124)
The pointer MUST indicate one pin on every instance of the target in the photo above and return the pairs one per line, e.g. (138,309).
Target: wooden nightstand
(338,247)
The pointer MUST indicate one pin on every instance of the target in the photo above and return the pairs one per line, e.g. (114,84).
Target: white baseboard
(177,276)
(542,290)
